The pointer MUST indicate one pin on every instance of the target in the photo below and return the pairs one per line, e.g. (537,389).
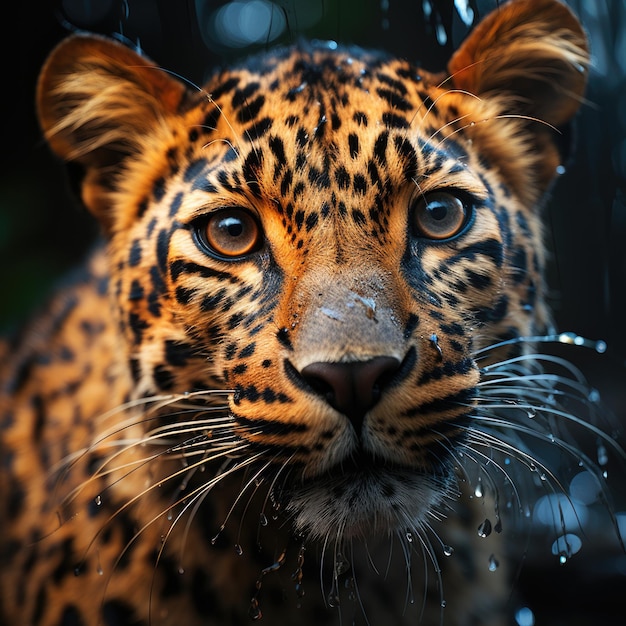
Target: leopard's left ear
(533,52)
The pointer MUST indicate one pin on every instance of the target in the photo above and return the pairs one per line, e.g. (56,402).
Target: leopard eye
(440,215)
(229,233)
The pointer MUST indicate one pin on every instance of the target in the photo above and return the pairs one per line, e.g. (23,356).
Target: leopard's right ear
(96,102)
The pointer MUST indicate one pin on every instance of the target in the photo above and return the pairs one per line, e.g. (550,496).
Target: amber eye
(439,215)
(230,233)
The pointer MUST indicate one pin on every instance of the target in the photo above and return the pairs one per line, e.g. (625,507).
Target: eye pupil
(229,233)
(231,226)
(437,211)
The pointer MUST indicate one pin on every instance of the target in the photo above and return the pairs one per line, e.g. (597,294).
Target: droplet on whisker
(493,563)
(484,530)
(254,612)
(333,599)
(341,564)
(478,491)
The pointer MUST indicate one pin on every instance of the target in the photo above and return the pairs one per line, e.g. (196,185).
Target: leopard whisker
(434,103)
(486,439)
(421,530)
(228,445)
(474,123)
(470,452)
(196,497)
(555,412)
(194,500)
(131,422)
(567,338)
(141,494)
(355,583)
(446,125)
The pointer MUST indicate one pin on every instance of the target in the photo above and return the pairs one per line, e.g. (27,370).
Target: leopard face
(307,265)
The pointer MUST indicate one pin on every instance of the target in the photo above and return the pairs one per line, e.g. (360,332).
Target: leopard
(290,381)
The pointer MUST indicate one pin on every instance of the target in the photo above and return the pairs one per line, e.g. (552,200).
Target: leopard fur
(270,367)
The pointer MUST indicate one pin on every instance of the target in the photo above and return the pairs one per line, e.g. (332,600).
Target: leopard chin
(365,498)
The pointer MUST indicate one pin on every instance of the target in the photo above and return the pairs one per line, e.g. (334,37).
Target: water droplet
(524,617)
(484,530)
(254,612)
(341,565)
(531,413)
(603,457)
(560,170)
(493,563)
(444,604)
(434,342)
(478,491)
(238,549)
(333,599)
(263,519)
(594,396)
(601,346)
(409,536)
(181,569)
(98,500)
(448,550)
(498,526)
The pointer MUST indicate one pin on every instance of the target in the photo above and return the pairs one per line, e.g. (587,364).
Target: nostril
(351,388)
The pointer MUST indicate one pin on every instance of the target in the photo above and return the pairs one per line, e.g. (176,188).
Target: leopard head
(329,237)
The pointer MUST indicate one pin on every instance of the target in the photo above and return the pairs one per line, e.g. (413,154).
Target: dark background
(43,232)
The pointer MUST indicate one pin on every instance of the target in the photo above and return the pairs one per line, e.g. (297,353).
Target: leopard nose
(351,388)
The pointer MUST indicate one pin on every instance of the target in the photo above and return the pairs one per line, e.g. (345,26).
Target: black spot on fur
(251,110)
(258,129)
(134,258)
(391,120)
(360,118)
(163,377)
(194,169)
